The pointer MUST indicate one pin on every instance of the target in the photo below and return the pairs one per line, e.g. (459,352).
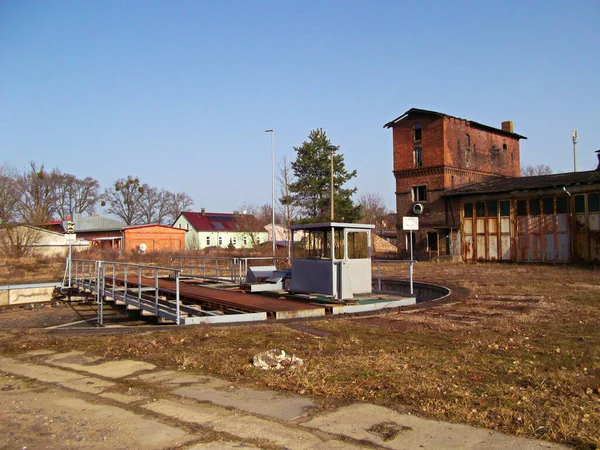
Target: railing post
(379,275)
(114,269)
(177,297)
(125,284)
(156,292)
(140,287)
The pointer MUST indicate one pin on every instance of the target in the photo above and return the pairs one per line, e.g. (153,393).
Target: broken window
(468,208)
(505,208)
(579,204)
(562,205)
(492,208)
(521,208)
(548,205)
(418,157)
(534,207)
(593,202)
(480,209)
(419,193)
(417,133)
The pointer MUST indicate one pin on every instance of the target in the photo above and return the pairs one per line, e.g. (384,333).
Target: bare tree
(178,203)
(288,209)
(37,189)
(540,169)
(154,205)
(373,209)
(75,196)
(17,241)
(123,199)
(9,195)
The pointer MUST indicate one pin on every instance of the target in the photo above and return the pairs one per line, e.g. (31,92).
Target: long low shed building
(547,218)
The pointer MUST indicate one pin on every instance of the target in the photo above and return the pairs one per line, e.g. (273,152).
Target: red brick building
(153,238)
(436,152)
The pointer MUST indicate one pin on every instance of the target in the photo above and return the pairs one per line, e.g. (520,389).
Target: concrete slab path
(70,400)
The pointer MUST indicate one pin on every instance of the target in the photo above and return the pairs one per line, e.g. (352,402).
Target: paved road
(70,400)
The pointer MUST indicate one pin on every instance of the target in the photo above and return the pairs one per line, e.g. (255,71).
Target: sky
(180,93)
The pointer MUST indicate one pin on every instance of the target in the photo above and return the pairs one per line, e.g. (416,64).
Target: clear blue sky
(179,93)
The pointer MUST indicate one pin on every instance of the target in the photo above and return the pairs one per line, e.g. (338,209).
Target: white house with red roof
(205,229)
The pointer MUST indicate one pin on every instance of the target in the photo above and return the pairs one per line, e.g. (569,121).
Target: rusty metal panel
(522,247)
(505,225)
(522,224)
(594,221)
(533,223)
(480,226)
(548,224)
(468,248)
(564,247)
(505,246)
(580,223)
(581,247)
(468,226)
(562,223)
(535,250)
(493,247)
(595,246)
(481,246)
(549,247)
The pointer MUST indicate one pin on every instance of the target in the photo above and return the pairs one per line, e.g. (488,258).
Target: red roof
(222,222)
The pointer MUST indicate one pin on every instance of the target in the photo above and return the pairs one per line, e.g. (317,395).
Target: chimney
(202,211)
(508,126)
(598,155)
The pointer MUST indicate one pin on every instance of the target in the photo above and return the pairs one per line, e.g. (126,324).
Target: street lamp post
(272,192)
(331,148)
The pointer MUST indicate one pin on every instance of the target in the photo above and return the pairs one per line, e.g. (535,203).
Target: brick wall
(490,152)
(156,238)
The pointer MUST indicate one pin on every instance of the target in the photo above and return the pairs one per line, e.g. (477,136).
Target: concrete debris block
(276,359)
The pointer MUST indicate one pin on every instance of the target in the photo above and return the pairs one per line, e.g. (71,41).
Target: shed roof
(94,223)
(224,222)
(439,114)
(508,184)
(152,225)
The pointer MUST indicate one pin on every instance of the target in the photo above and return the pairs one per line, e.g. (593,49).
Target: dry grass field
(517,350)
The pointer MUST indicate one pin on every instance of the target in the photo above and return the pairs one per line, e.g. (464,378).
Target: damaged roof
(509,184)
(439,114)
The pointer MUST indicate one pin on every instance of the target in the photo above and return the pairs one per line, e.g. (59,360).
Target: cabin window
(505,208)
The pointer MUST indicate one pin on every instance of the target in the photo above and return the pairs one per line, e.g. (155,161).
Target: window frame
(416,192)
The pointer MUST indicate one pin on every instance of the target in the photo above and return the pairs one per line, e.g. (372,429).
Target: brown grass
(520,353)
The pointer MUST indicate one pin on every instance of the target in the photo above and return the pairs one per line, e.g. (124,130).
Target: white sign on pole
(410,223)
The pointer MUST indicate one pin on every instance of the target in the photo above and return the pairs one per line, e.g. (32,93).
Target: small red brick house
(153,238)
(436,152)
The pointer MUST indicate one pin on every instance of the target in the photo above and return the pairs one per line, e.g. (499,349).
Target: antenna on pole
(574,135)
